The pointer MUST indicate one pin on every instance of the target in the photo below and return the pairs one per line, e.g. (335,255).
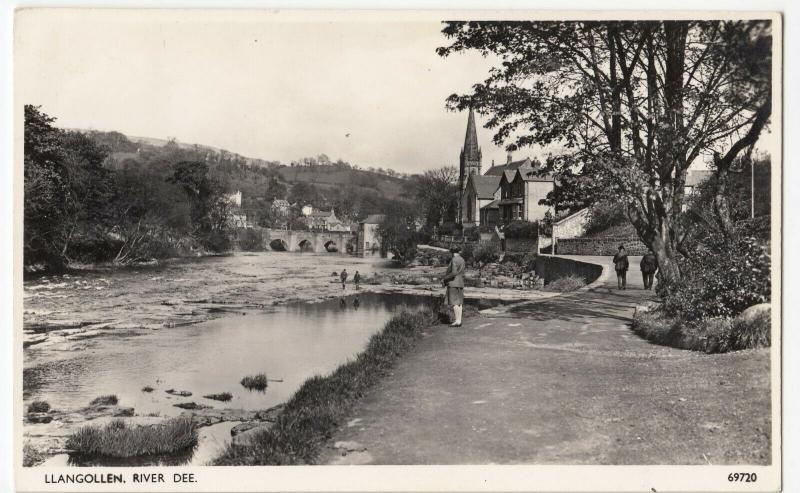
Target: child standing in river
(343,277)
(356,279)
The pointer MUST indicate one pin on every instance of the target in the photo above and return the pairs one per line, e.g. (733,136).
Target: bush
(31,456)
(105,400)
(565,284)
(523,230)
(720,280)
(486,252)
(117,439)
(249,240)
(224,396)
(711,335)
(217,241)
(472,234)
(752,332)
(255,382)
(468,252)
(38,407)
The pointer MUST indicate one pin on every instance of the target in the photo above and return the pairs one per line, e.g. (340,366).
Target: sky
(264,85)
(365,87)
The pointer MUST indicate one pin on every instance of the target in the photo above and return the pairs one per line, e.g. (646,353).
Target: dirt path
(562,381)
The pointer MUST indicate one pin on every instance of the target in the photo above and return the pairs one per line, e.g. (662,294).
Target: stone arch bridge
(316,241)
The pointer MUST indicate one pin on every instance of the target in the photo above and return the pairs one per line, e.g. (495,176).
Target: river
(196,326)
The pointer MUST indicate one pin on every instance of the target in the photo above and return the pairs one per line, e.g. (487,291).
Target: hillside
(354,193)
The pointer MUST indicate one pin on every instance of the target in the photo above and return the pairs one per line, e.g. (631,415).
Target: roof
(484,186)
(513,200)
(494,204)
(532,175)
(374,219)
(500,168)
(697,176)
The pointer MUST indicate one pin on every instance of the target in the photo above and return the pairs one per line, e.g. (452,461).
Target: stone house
(521,190)
(481,190)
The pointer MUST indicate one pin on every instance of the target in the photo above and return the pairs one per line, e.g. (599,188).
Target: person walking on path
(649,266)
(621,266)
(454,281)
(356,279)
(343,277)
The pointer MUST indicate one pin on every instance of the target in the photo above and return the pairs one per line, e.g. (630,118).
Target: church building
(505,193)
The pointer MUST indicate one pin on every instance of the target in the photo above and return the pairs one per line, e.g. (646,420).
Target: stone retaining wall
(599,246)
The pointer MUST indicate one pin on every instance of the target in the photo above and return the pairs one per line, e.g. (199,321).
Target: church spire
(471,151)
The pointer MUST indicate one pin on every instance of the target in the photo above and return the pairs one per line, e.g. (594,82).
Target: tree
(398,235)
(45,188)
(436,191)
(635,104)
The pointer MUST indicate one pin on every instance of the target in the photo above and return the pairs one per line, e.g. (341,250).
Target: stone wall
(599,246)
(552,268)
(572,226)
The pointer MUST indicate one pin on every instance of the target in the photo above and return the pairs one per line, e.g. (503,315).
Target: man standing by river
(343,277)
(454,280)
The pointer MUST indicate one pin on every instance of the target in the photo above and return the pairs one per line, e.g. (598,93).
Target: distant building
(521,190)
(234,199)
(326,221)
(505,192)
(368,238)
(280,208)
(695,178)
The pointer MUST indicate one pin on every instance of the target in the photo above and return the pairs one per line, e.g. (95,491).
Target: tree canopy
(633,103)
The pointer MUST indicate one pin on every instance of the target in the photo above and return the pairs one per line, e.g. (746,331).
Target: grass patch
(105,400)
(118,439)
(710,335)
(31,456)
(255,382)
(224,396)
(38,407)
(322,403)
(566,284)
(147,388)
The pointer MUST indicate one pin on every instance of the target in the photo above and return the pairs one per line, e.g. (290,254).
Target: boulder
(751,314)
(39,418)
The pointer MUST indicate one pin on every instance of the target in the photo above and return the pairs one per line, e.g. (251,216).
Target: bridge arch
(278,245)
(331,246)
(305,245)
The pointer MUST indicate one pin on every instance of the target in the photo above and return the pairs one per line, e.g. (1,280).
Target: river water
(198,327)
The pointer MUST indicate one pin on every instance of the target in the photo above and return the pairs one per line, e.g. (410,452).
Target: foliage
(223,396)
(118,439)
(105,400)
(436,194)
(32,456)
(634,103)
(519,229)
(321,403)
(711,335)
(38,407)
(472,234)
(721,278)
(249,240)
(566,284)
(255,382)
(486,253)
(604,215)
(398,235)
